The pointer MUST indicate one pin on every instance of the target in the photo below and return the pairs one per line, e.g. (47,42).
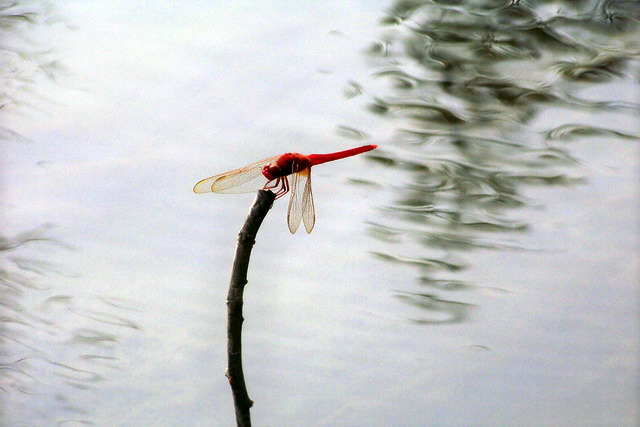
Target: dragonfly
(288,172)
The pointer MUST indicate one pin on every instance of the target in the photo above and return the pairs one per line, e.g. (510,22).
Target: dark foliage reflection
(485,96)
(52,345)
(55,347)
(25,61)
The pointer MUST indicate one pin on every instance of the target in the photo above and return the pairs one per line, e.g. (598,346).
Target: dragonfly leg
(281,182)
(284,187)
(271,184)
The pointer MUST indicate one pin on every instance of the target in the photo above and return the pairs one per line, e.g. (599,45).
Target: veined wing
(308,210)
(301,202)
(246,179)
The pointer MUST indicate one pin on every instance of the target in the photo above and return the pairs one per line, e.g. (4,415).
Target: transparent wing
(246,179)
(308,210)
(294,213)
(301,202)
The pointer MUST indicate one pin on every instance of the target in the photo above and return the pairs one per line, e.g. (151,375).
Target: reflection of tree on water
(54,346)
(483,94)
(25,63)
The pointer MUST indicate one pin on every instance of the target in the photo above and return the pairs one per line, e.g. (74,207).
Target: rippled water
(479,268)
(485,98)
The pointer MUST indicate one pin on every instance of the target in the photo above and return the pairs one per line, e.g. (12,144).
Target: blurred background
(479,268)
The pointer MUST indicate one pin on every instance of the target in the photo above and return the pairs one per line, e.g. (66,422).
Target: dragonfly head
(271,171)
(286,164)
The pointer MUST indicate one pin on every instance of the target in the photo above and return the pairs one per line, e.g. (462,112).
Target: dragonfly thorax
(286,164)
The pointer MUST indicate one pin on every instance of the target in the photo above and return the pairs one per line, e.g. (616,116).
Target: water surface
(479,268)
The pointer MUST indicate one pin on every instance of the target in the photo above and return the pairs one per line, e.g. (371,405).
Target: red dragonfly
(273,174)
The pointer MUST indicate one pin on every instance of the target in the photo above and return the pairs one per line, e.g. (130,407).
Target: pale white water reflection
(130,315)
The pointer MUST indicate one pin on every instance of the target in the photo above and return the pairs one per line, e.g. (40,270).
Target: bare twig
(246,240)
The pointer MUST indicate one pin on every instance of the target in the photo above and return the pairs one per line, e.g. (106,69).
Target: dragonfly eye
(271,171)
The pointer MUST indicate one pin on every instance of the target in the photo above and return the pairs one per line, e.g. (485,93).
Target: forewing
(246,179)
(308,210)
(297,186)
